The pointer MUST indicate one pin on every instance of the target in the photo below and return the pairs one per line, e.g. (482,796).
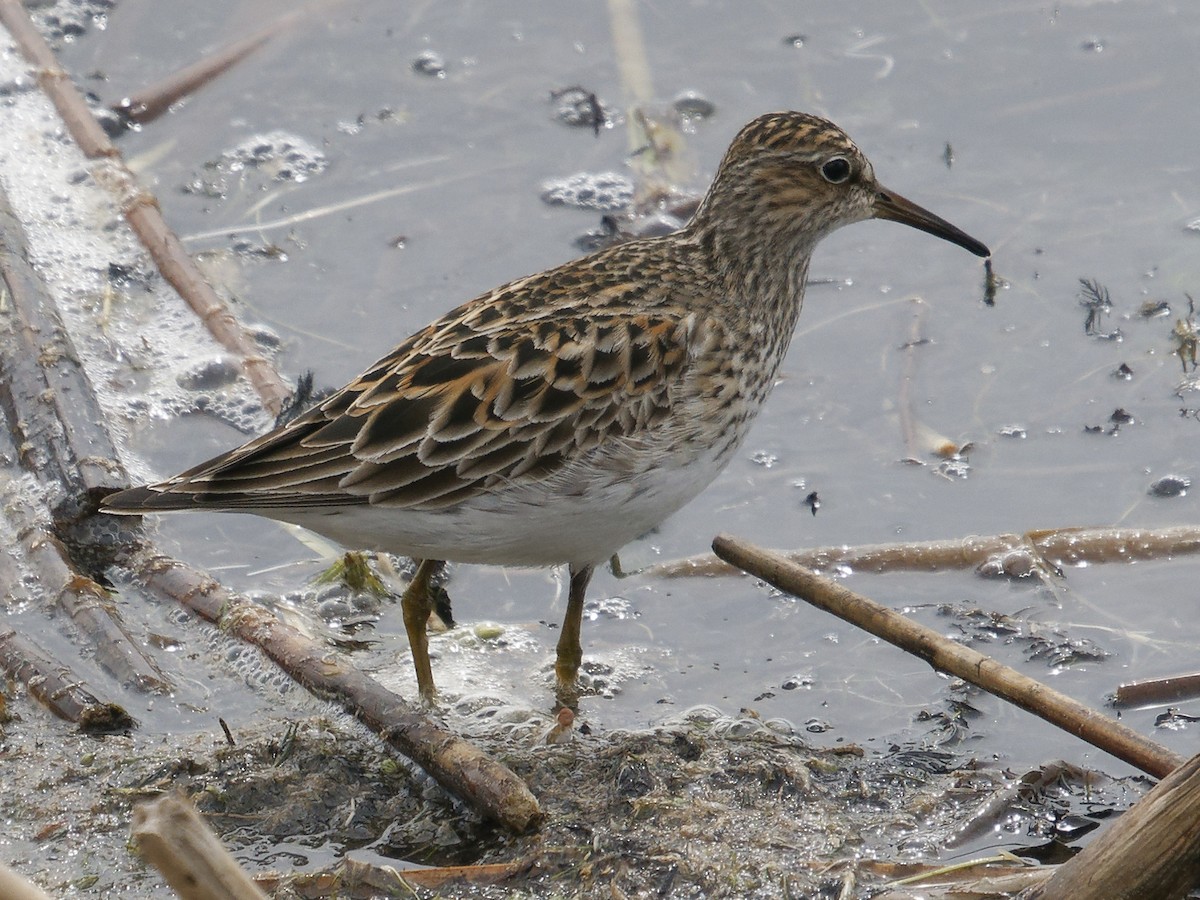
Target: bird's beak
(894,207)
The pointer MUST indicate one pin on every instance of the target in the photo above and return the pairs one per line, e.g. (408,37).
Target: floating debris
(617,609)
(692,105)
(1116,419)
(279,156)
(1174,720)
(813,502)
(1187,337)
(1170,486)
(430,63)
(209,375)
(1019,562)
(991,282)
(801,680)
(64,23)
(1094,297)
(763,458)
(578,107)
(604,191)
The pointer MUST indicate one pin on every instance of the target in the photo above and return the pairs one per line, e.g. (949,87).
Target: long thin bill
(897,209)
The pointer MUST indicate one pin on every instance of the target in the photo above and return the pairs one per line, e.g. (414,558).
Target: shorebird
(556,418)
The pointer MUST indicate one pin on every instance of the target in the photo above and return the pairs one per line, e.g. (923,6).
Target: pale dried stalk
(174,839)
(15,887)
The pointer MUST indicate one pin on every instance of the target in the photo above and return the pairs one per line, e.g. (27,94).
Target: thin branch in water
(148,104)
(1157,691)
(949,656)
(141,210)
(998,554)
(62,691)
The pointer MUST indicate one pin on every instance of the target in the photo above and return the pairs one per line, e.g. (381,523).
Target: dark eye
(836,170)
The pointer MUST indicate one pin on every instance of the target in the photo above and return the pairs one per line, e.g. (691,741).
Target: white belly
(582,515)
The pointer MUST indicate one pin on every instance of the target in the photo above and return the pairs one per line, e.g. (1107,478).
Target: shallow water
(1067,160)
(1072,156)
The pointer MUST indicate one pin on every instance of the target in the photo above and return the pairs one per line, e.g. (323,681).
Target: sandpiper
(558,417)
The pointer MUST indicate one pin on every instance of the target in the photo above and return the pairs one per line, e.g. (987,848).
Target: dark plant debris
(1187,338)
(578,107)
(1094,297)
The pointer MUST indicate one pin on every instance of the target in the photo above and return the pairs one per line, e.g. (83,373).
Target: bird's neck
(760,277)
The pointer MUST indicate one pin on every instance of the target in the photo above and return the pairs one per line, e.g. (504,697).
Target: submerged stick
(61,690)
(464,770)
(1056,546)
(1154,691)
(150,103)
(44,388)
(953,658)
(141,210)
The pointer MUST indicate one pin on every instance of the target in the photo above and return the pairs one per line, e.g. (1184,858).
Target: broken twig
(1154,691)
(490,788)
(55,685)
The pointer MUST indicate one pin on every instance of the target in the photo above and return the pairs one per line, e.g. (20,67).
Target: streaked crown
(787,180)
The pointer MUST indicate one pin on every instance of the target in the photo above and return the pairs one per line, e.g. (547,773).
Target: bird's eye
(836,170)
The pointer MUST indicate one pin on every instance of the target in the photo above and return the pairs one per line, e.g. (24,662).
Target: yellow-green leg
(416,604)
(570,649)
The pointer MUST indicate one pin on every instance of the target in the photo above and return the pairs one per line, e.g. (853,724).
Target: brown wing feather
(501,390)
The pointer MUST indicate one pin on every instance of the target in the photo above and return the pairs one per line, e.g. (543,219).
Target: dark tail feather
(145,499)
